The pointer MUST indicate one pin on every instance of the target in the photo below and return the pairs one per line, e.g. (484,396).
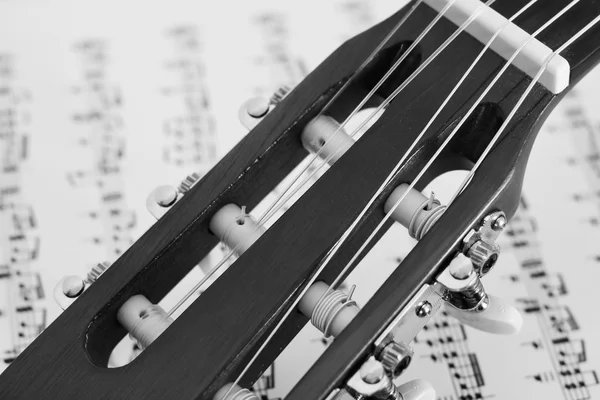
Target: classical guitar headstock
(454,84)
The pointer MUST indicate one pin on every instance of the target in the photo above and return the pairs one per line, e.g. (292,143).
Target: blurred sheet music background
(102,101)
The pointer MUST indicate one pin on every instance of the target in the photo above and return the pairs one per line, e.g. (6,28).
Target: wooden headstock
(213,341)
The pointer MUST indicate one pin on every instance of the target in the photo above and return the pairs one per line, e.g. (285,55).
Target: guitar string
(386,102)
(450,136)
(468,178)
(371,56)
(272,208)
(391,70)
(344,237)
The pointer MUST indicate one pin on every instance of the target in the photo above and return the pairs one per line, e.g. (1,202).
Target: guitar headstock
(454,85)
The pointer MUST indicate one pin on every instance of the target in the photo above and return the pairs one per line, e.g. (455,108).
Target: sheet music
(102,101)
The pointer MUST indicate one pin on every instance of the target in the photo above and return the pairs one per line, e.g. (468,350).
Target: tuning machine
(371,381)
(69,288)
(480,244)
(253,110)
(163,197)
(467,300)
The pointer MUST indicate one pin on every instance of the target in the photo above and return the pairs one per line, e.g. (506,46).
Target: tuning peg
(143,320)
(467,301)
(235,227)
(325,136)
(373,381)
(253,110)
(498,317)
(330,311)
(415,212)
(418,389)
(69,288)
(163,197)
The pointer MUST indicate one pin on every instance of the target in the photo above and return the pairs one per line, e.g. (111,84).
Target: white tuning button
(72,286)
(161,199)
(143,320)
(329,313)
(234,227)
(253,111)
(467,300)
(68,289)
(499,317)
(419,389)
(325,136)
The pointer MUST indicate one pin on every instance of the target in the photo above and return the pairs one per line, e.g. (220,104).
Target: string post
(143,320)
(231,391)
(326,138)
(330,311)
(236,228)
(241,219)
(414,211)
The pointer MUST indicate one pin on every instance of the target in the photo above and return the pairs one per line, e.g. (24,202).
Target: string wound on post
(329,306)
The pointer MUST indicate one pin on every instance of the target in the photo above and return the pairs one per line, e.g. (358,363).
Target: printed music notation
(190,134)
(273,58)
(447,343)
(559,325)
(21,289)
(100,135)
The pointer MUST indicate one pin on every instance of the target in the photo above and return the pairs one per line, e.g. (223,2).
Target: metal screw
(461,267)
(499,223)
(372,371)
(424,309)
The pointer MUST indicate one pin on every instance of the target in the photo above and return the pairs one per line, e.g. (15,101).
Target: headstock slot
(257,175)
(282,156)
(366,80)
(285,153)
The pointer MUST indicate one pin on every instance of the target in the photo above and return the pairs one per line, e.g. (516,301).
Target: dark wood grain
(214,338)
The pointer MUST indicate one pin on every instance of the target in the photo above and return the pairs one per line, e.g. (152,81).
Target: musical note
(190,134)
(22,287)
(556,319)
(104,138)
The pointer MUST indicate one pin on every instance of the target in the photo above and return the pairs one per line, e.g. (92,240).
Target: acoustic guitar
(447,85)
